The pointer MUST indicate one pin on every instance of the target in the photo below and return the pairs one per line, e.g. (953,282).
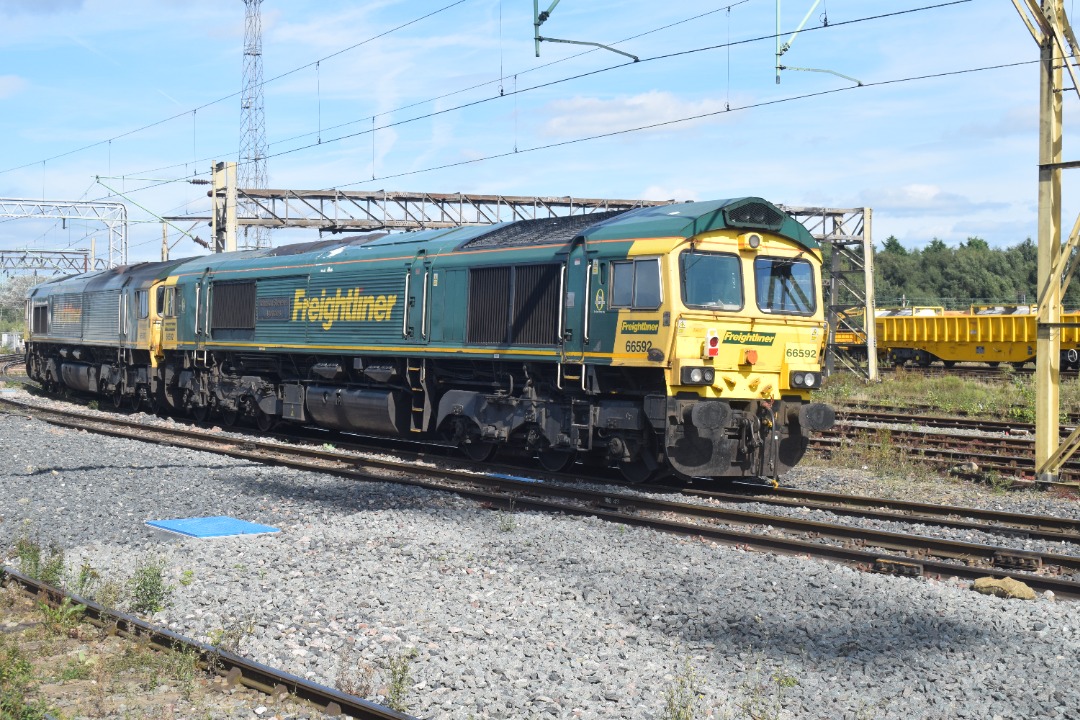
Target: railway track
(1042,527)
(234,668)
(1006,454)
(867,549)
(13,365)
(1002,373)
(885,414)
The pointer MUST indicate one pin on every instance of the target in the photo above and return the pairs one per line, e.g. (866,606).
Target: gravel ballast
(528,615)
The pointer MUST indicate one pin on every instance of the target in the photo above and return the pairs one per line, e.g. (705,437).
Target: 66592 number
(802,353)
(638,345)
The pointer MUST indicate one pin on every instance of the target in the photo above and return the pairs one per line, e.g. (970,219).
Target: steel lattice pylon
(110,214)
(252,161)
(848,280)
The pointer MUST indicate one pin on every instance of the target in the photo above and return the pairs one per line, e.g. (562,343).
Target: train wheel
(636,471)
(949,363)
(264,421)
(136,400)
(229,418)
(554,460)
(478,451)
(118,398)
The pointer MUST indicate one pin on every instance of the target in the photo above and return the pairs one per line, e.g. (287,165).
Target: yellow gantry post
(1048,344)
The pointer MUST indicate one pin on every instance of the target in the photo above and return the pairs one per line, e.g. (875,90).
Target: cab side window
(142,299)
(167,301)
(636,284)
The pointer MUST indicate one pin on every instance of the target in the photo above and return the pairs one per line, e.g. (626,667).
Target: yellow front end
(746,354)
(753,350)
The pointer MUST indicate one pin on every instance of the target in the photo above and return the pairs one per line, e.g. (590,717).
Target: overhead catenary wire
(578,76)
(653,126)
(460,91)
(238,92)
(676,121)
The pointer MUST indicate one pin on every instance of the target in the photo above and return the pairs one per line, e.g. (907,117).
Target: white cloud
(10,85)
(922,200)
(582,116)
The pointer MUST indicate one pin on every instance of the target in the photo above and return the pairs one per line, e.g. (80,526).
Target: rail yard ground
(520,615)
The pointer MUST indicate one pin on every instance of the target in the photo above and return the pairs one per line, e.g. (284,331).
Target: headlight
(698,376)
(805,379)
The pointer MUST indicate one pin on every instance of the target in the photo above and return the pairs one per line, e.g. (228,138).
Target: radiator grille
(536,305)
(515,305)
(489,305)
(233,306)
(67,315)
(755,214)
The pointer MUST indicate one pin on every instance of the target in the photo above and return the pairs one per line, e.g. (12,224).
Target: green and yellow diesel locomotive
(680,338)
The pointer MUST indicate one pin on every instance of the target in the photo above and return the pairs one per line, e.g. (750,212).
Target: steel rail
(233,667)
(1040,527)
(944,448)
(938,421)
(952,459)
(512,493)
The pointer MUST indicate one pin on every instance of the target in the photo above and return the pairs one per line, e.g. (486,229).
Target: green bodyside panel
(448,304)
(273,310)
(691,219)
(362,306)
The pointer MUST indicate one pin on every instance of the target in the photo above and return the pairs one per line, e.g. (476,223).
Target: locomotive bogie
(683,339)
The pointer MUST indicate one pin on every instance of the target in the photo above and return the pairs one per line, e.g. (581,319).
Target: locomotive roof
(685,220)
(110,278)
(690,219)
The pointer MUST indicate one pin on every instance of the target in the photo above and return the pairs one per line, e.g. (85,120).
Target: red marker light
(712,343)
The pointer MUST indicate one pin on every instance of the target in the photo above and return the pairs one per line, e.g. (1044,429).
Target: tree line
(973,273)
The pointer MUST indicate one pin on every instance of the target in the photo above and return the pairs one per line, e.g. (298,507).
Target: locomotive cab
(749,333)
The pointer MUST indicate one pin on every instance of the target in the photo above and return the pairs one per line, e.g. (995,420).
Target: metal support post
(1048,343)
(223,199)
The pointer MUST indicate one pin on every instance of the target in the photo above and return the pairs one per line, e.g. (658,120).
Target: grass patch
(18,684)
(64,618)
(1012,398)
(36,562)
(230,636)
(875,450)
(148,591)
(680,699)
(400,680)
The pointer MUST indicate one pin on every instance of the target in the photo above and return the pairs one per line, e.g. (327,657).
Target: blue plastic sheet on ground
(209,527)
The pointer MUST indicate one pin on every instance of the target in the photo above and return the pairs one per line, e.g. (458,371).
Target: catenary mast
(252,161)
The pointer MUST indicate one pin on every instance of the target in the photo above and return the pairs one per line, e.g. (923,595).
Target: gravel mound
(528,615)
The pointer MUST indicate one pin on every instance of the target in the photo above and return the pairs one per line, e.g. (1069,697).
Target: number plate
(797,352)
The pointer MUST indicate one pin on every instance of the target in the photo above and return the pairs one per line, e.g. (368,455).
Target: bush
(149,593)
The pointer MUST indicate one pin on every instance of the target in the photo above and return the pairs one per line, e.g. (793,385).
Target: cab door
(574,319)
(416,322)
(202,311)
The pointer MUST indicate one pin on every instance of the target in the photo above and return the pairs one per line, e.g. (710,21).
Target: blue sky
(948,157)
